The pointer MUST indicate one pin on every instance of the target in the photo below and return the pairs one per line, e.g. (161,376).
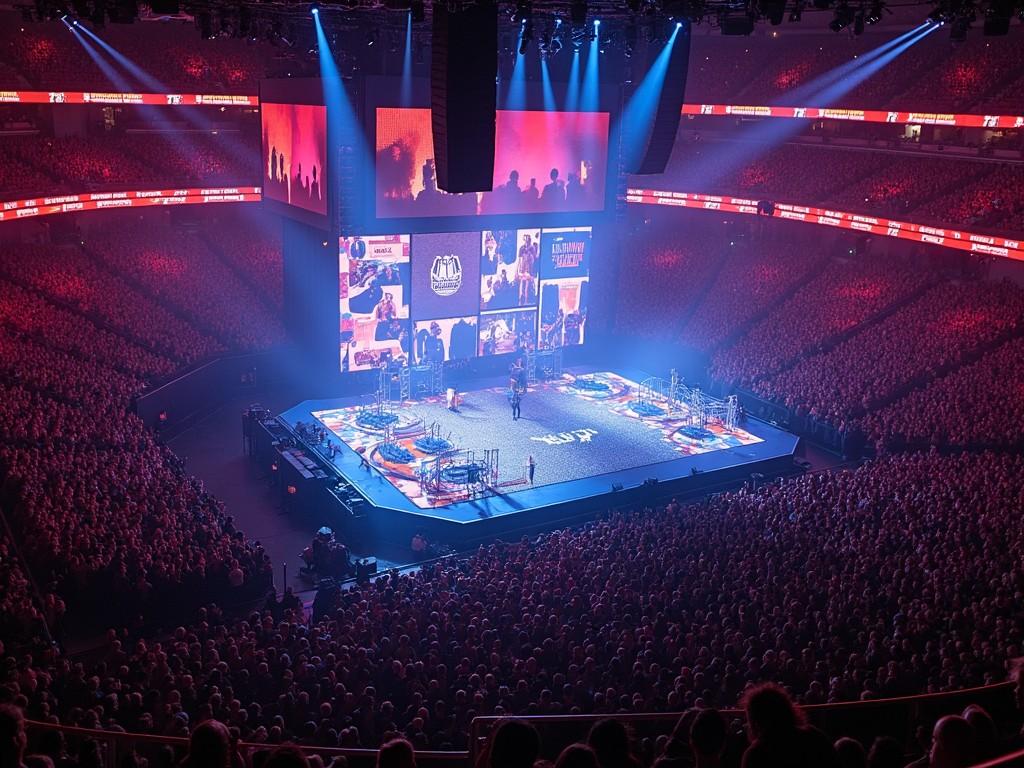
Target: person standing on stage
(531,466)
(515,400)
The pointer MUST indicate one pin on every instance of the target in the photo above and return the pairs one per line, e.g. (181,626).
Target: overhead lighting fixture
(526,36)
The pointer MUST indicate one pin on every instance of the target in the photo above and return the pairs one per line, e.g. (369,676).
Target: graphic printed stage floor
(583,433)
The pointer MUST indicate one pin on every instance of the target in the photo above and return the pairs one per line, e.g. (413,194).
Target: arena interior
(511,383)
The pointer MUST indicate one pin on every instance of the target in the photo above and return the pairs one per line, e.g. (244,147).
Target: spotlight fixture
(523,11)
(874,14)
(526,36)
(314,9)
(371,38)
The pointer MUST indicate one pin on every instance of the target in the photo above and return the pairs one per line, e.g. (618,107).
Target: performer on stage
(531,467)
(515,400)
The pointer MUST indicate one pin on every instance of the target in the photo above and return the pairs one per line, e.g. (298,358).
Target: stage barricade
(178,403)
(862,720)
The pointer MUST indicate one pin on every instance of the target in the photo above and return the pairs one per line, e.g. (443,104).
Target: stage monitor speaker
(463,95)
(670,107)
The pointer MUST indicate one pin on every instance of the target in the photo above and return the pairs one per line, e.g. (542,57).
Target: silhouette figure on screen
(532,193)
(273,164)
(554,193)
(395,171)
(314,189)
(281,176)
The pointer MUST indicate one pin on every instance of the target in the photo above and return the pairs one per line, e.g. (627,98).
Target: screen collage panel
(373,291)
(294,155)
(544,162)
(446,296)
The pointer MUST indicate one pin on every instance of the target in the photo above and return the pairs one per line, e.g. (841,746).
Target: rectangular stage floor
(586,435)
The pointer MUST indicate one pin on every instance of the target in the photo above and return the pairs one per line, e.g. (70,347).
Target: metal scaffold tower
(675,399)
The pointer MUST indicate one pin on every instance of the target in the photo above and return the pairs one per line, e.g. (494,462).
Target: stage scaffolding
(677,400)
(468,471)
(543,365)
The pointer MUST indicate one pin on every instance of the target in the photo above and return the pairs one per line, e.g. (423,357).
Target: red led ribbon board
(154,99)
(94,201)
(974,242)
(859,115)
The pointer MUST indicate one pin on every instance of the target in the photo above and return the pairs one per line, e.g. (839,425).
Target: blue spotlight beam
(572,93)
(549,93)
(591,82)
(637,118)
(833,76)
(516,98)
(104,66)
(406,94)
(132,68)
(760,138)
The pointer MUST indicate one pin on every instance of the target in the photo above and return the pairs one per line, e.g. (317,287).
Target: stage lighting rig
(874,14)
(526,37)
(523,11)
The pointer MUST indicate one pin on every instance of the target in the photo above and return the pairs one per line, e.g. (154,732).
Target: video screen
(374,290)
(438,341)
(565,253)
(445,275)
(544,162)
(295,154)
(508,268)
(563,312)
(510,331)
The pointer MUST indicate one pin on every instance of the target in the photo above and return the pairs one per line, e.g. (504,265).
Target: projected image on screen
(437,341)
(445,275)
(565,253)
(510,331)
(508,268)
(294,155)
(544,162)
(374,289)
(563,312)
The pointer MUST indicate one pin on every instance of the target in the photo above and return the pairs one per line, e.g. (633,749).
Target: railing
(114,745)
(863,720)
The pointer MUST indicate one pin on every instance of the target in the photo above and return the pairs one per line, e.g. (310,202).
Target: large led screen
(442,296)
(445,275)
(295,154)
(373,292)
(508,268)
(544,162)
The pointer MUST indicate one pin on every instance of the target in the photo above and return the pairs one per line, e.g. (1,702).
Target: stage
(591,444)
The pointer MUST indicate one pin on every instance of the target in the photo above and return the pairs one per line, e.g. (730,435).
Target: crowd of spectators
(979,405)
(749,283)
(938,190)
(940,330)
(253,249)
(103,512)
(845,294)
(179,270)
(839,586)
(33,165)
(71,277)
(662,277)
(45,56)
